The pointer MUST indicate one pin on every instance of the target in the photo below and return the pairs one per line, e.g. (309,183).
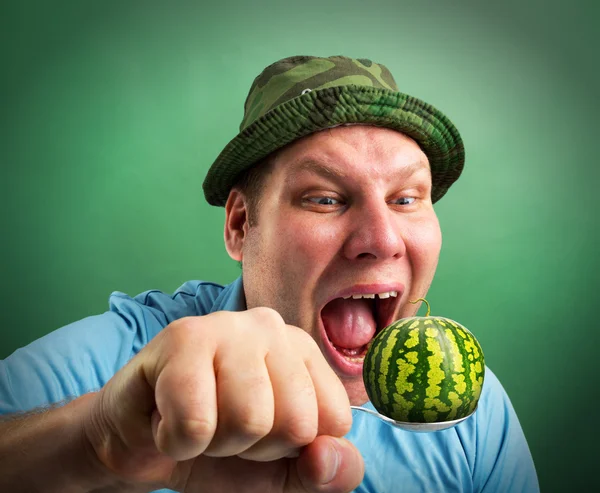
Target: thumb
(327,465)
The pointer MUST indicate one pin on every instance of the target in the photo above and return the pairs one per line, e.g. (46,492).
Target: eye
(323,200)
(405,200)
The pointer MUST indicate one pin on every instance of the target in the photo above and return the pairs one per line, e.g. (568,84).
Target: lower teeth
(358,359)
(356,355)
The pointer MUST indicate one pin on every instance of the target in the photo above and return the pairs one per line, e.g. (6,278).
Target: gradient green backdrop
(113,111)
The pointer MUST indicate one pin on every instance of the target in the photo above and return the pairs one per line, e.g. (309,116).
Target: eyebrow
(317,167)
(323,169)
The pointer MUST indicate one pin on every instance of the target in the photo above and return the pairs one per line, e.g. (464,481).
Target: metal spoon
(415,427)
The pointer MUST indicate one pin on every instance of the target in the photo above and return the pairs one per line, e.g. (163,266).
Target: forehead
(353,148)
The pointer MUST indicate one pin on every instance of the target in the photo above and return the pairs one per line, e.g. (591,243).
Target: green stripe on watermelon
(375,350)
(402,366)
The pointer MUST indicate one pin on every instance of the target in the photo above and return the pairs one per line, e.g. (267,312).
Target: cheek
(424,244)
(309,241)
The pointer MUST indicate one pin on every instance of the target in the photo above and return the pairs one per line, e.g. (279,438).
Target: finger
(245,403)
(186,401)
(296,412)
(335,417)
(327,465)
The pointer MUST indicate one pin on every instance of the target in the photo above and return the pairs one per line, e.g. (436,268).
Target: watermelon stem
(422,299)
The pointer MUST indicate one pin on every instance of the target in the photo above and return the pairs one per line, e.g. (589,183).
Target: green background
(112,112)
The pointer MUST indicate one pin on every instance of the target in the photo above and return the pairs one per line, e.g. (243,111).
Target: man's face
(345,212)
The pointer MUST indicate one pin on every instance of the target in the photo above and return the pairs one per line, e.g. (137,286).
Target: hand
(232,401)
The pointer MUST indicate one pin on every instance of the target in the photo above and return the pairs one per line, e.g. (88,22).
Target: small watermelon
(424,369)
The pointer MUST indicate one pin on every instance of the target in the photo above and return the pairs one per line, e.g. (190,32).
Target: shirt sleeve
(81,357)
(502,459)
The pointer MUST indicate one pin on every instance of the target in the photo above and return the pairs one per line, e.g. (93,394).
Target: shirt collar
(232,298)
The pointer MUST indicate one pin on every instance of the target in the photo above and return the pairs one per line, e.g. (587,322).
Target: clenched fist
(232,401)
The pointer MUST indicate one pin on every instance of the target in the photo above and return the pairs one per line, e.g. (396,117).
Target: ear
(236,224)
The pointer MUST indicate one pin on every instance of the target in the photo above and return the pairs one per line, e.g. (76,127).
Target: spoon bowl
(415,427)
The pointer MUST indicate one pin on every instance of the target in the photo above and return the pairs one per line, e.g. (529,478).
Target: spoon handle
(417,427)
(369,411)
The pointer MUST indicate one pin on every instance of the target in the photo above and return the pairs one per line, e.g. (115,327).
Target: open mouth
(350,323)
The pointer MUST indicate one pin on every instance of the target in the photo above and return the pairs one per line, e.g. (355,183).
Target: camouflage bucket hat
(300,95)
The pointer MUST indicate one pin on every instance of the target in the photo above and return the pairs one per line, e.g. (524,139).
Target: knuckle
(268,315)
(340,422)
(182,330)
(300,431)
(196,430)
(307,340)
(253,423)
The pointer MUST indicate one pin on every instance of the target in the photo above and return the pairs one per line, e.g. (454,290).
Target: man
(328,192)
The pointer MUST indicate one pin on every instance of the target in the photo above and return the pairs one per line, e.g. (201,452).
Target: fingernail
(332,462)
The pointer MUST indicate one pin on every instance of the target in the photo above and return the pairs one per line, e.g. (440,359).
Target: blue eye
(405,200)
(323,200)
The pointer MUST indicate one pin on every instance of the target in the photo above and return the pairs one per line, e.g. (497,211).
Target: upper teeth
(387,294)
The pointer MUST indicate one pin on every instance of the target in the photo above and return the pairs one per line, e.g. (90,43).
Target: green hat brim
(324,108)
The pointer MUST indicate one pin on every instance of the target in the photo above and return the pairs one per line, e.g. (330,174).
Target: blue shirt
(486,453)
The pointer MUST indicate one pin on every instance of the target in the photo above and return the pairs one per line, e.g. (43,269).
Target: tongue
(349,323)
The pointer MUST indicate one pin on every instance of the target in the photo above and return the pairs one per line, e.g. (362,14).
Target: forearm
(47,452)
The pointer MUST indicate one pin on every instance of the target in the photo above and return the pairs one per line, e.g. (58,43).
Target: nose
(375,233)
